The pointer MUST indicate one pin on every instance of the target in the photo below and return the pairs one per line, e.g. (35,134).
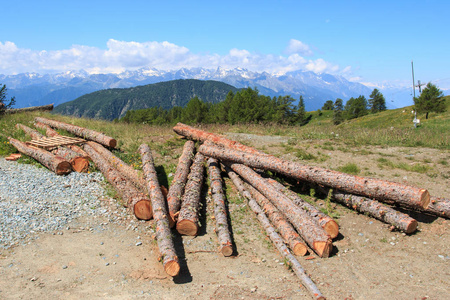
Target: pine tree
(338,109)
(377,102)
(430,100)
(301,112)
(3,101)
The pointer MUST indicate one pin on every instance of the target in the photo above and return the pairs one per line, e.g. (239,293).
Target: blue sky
(370,42)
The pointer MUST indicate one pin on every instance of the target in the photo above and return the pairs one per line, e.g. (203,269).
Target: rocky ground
(110,255)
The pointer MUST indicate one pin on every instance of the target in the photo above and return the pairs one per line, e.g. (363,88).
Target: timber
(275,238)
(439,207)
(28,109)
(80,131)
(312,234)
(369,187)
(163,234)
(176,189)
(220,210)
(280,223)
(377,210)
(187,222)
(134,200)
(326,222)
(53,162)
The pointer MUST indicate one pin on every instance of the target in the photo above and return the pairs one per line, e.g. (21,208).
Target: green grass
(350,168)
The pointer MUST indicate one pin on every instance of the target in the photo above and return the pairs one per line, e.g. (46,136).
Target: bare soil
(115,257)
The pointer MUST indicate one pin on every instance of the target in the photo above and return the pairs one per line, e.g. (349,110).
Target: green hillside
(114,103)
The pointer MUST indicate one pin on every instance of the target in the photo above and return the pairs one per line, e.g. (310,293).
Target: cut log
(220,210)
(80,131)
(203,136)
(53,162)
(28,109)
(176,189)
(126,170)
(187,222)
(275,238)
(325,221)
(134,200)
(279,221)
(439,207)
(163,234)
(312,234)
(377,210)
(368,187)
(53,133)
(79,163)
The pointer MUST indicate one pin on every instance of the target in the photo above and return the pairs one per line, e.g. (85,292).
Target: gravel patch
(35,200)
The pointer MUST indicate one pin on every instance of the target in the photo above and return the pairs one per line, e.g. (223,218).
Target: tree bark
(125,169)
(187,222)
(134,200)
(439,207)
(220,210)
(80,131)
(328,224)
(276,239)
(377,210)
(27,109)
(369,187)
(312,233)
(52,133)
(79,163)
(176,189)
(53,162)
(278,220)
(163,234)
(203,136)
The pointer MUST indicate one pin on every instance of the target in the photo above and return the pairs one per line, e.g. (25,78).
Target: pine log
(79,163)
(28,109)
(312,234)
(327,223)
(377,210)
(52,133)
(176,189)
(203,136)
(187,222)
(276,239)
(124,168)
(163,234)
(53,162)
(279,221)
(134,200)
(438,207)
(80,131)
(368,187)
(220,210)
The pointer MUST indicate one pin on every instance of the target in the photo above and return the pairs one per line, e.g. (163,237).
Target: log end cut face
(332,229)
(425,198)
(80,164)
(300,249)
(411,227)
(323,249)
(63,168)
(143,210)
(227,250)
(172,268)
(187,227)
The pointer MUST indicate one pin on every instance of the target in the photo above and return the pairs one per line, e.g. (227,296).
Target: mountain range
(32,89)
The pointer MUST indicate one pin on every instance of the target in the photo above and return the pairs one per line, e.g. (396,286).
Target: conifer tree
(377,102)
(338,109)
(430,100)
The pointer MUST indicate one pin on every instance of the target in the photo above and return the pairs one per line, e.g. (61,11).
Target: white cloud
(296,46)
(122,55)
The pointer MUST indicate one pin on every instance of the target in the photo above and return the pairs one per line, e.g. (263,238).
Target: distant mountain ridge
(31,89)
(110,104)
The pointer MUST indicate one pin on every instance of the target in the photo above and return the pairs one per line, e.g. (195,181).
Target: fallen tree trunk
(53,162)
(376,210)
(163,234)
(369,187)
(276,239)
(79,163)
(176,189)
(53,133)
(203,136)
(278,220)
(31,108)
(135,201)
(439,207)
(187,223)
(220,210)
(80,131)
(312,233)
(125,169)
(328,224)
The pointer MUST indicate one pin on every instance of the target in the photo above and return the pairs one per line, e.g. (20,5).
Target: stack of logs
(292,223)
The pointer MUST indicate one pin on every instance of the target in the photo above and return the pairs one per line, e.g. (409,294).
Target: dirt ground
(113,256)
